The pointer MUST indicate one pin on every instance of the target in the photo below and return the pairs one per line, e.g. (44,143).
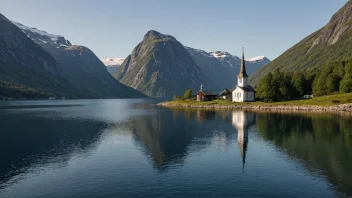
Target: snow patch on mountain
(112,64)
(219,54)
(35,30)
(109,62)
(255,59)
(42,36)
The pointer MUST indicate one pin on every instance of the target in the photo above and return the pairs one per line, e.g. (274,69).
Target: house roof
(208,92)
(243,72)
(224,93)
(247,88)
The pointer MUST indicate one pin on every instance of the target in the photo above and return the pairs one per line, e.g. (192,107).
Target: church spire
(242,73)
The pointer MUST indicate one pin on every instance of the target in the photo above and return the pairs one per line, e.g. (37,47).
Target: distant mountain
(80,66)
(160,66)
(112,64)
(331,43)
(27,70)
(223,67)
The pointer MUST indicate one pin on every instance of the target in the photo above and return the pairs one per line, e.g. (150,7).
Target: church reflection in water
(169,138)
(242,121)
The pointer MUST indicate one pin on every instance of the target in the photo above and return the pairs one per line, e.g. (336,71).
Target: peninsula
(331,103)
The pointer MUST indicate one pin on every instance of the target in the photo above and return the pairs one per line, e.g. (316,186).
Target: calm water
(126,148)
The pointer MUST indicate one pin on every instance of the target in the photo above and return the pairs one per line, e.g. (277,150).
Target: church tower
(242,77)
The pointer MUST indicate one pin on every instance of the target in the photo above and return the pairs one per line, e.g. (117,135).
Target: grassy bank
(330,100)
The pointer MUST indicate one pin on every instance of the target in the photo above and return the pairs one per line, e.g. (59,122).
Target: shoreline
(304,108)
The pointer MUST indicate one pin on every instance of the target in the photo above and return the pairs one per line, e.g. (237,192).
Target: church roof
(247,88)
(243,72)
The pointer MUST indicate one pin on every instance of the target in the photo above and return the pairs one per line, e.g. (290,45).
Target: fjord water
(129,148)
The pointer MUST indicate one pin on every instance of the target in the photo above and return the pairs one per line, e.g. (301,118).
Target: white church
(243,92)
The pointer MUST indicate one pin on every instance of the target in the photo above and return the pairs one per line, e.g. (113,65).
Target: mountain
(331,43)
(80,66)
(224,67)
(160,66)
(27,70)
(112,64)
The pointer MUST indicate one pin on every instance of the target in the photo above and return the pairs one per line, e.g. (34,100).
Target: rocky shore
(314,108)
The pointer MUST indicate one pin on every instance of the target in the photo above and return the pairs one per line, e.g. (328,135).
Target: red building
(203,95)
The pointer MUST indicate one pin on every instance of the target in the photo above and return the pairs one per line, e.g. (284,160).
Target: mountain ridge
(78,65)
(27,70)
(223,66)
(160,66)
(331,43)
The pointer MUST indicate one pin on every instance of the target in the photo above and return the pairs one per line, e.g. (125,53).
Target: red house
(203,95)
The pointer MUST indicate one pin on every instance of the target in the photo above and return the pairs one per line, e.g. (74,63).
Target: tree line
(333,78)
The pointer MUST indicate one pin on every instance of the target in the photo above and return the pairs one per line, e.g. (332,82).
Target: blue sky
(112,28)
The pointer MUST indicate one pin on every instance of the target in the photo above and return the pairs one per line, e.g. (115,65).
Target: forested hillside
(331,43)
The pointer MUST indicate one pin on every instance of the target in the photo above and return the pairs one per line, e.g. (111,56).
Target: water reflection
(322,142)
(35,134)
(125,151)
(242,121)
(167,137)
(27,141)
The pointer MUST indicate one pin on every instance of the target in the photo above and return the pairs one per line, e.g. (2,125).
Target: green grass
(321,101)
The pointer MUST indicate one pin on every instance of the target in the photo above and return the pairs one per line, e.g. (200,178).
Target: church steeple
(242,73)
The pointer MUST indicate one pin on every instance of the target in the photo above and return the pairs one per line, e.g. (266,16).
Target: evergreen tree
(299,84)
(319,84)
(187,94)
(266,89)
(346,82)
(332,84)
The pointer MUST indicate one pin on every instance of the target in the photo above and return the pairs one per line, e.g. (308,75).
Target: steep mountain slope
(161,66)
(224,67)
(331,43)
(26,70)
(80,65)
(112,64)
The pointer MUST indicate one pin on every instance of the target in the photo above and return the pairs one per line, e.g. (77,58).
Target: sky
(112,28)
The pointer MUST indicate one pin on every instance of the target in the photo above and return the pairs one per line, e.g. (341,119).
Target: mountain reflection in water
(121,148)
(168,137)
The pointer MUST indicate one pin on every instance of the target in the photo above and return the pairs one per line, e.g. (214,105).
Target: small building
(226,94)
(243,92)
(308,96)
(204,95)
